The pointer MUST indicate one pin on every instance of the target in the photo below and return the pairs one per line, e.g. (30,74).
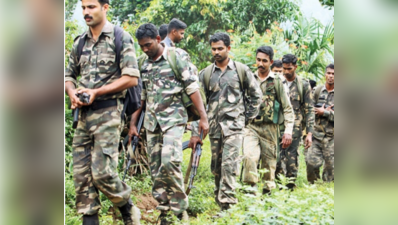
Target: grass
(308,204)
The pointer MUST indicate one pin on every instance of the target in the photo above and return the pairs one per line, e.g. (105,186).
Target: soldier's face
(219,51)
(288,70)
(93,12)
(150,46)
(277,70)
(329,76)
(263,62)
(178,35)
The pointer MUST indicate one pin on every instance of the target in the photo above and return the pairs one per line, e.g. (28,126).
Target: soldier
(323,146)
(163,31)
(225,83)
(301,100)
(276,67)
(96,139)
(175,32)
(165,118)
(262,134)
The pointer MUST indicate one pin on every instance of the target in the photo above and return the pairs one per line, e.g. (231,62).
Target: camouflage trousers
(320,151)
(260,143)
(95,159)
(225,162)
(288,165)
(165,157)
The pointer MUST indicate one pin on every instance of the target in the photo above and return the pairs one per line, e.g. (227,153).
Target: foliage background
(250,24)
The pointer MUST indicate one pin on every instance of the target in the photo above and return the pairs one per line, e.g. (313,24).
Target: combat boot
(91,219)
(131,214)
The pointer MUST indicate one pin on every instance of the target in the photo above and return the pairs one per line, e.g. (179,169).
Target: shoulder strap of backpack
(172,59)
(118,32)
(300,88)
(82,40)
(240,68)
(141,59)
(207,75)
(278,82)
(317,92)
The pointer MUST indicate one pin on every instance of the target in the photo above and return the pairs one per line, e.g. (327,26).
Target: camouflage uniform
(168,42)
(165,120)
(261,137)
(96,139)
(322,148)
(305,111)
(226,115)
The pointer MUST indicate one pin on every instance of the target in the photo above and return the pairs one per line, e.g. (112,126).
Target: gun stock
(134,142)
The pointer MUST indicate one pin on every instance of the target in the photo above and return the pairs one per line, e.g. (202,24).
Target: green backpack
(193,113)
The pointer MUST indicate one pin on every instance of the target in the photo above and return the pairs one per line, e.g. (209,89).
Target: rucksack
(193,114)
(240,68)
(317,92)
(132,100)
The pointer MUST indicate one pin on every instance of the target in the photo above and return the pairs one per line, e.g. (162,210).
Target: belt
(101,104)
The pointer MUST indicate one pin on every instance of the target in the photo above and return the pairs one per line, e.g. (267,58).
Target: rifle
(185,145)
(134,142)
(194,165)
(85,98)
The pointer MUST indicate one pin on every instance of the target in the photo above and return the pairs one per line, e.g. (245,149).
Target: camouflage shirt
(303,111)
(163,91)
(226,110)
(168,42)
(281,96)
(97,62)
(324,125)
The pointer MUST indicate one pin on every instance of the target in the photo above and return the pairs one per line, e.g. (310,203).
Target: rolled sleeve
(130,72)
(192,88)
(128,59)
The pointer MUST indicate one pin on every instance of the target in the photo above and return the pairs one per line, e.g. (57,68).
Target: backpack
(317,92)
(240,68)
(193,114)
(132,100)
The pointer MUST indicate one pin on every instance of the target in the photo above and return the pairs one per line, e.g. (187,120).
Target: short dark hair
(266,50)
(103,2)
(176,24)
(220,37)
(146,30)
(277,63)
(330,66)
(163,30)
(312,83)
(289,58)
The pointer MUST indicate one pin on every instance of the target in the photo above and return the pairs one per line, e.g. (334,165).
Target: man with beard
(226,83)
(96,139)
(301,100)
(175,32)
(261,135)
(323,137)
(165,118)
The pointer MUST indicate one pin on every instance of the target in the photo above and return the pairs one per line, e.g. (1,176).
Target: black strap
(101,104)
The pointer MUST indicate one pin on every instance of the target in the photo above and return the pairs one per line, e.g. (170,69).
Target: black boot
(91,219)
(130,214)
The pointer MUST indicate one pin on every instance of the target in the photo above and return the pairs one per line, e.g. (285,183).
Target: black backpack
(132,101)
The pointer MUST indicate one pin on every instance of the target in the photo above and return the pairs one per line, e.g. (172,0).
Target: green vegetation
(308,204)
